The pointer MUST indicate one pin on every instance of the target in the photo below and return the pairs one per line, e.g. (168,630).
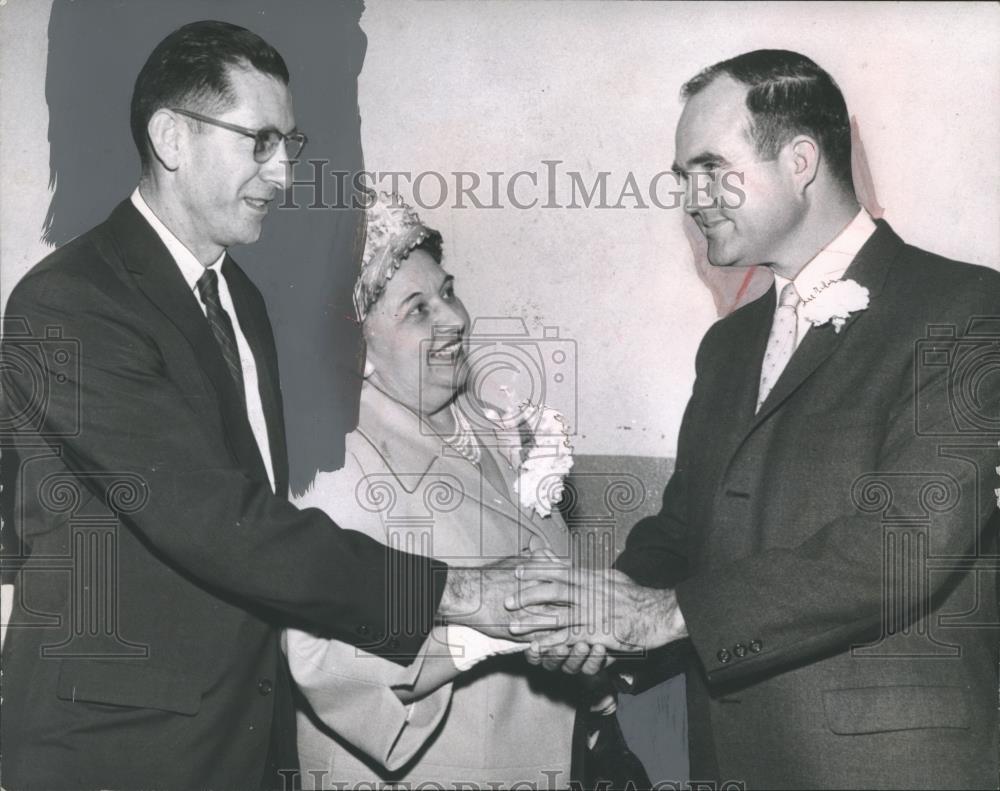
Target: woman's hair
(432,245)
(392,231)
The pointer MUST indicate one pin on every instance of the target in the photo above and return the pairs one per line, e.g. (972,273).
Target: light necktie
(222,327)
(781,341)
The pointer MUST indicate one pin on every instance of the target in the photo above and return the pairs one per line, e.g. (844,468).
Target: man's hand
(592,607)
(475,597)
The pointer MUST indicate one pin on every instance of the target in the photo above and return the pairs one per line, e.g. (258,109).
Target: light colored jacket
(503,721)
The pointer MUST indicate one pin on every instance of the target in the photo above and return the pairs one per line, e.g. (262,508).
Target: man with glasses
(140,378)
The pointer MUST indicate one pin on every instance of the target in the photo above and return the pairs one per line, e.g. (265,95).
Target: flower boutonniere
(833,301)
(540,452)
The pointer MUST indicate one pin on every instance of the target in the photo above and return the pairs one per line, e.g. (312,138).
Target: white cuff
(6,606)
(469,647)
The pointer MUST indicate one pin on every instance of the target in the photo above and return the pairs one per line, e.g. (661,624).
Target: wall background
(450,86)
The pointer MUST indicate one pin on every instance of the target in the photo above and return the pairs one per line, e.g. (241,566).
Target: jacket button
(264,686)
(724,656)
(740,650)
(756,646)
(362,630)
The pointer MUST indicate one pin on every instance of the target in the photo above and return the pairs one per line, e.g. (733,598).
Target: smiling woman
(418,475)
(414,338)
(412,321)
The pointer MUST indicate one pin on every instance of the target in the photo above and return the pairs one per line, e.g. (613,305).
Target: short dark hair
(788,94)
(433,245)
(190,68)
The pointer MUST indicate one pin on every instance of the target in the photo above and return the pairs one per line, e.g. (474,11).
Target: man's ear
(802,153)
(164,134)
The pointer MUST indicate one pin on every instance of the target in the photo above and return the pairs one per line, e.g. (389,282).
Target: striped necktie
(781,341)
(222,326)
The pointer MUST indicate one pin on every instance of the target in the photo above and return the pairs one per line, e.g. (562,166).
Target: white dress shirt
(828,264)
(192,269)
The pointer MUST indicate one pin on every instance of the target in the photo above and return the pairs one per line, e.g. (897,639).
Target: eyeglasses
(265,141)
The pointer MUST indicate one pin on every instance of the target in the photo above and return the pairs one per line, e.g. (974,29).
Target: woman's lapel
(416,456)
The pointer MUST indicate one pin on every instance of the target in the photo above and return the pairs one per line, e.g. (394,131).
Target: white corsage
(997,491)
(833,301)
(542,459)
(540,478)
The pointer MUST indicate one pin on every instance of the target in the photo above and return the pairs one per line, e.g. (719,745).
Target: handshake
(574,618)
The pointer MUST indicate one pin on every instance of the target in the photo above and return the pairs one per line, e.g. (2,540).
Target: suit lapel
(253,321)
(868,269)
(745,379)
(734,380)
(156,274)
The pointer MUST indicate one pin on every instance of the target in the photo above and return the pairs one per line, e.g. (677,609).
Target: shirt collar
(191,268)
(832,261)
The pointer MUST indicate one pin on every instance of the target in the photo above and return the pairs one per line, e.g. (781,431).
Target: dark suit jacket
(834,555)
(144,651)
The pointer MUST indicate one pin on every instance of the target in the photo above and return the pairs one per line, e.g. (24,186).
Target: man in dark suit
(824,563)
(140,385)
